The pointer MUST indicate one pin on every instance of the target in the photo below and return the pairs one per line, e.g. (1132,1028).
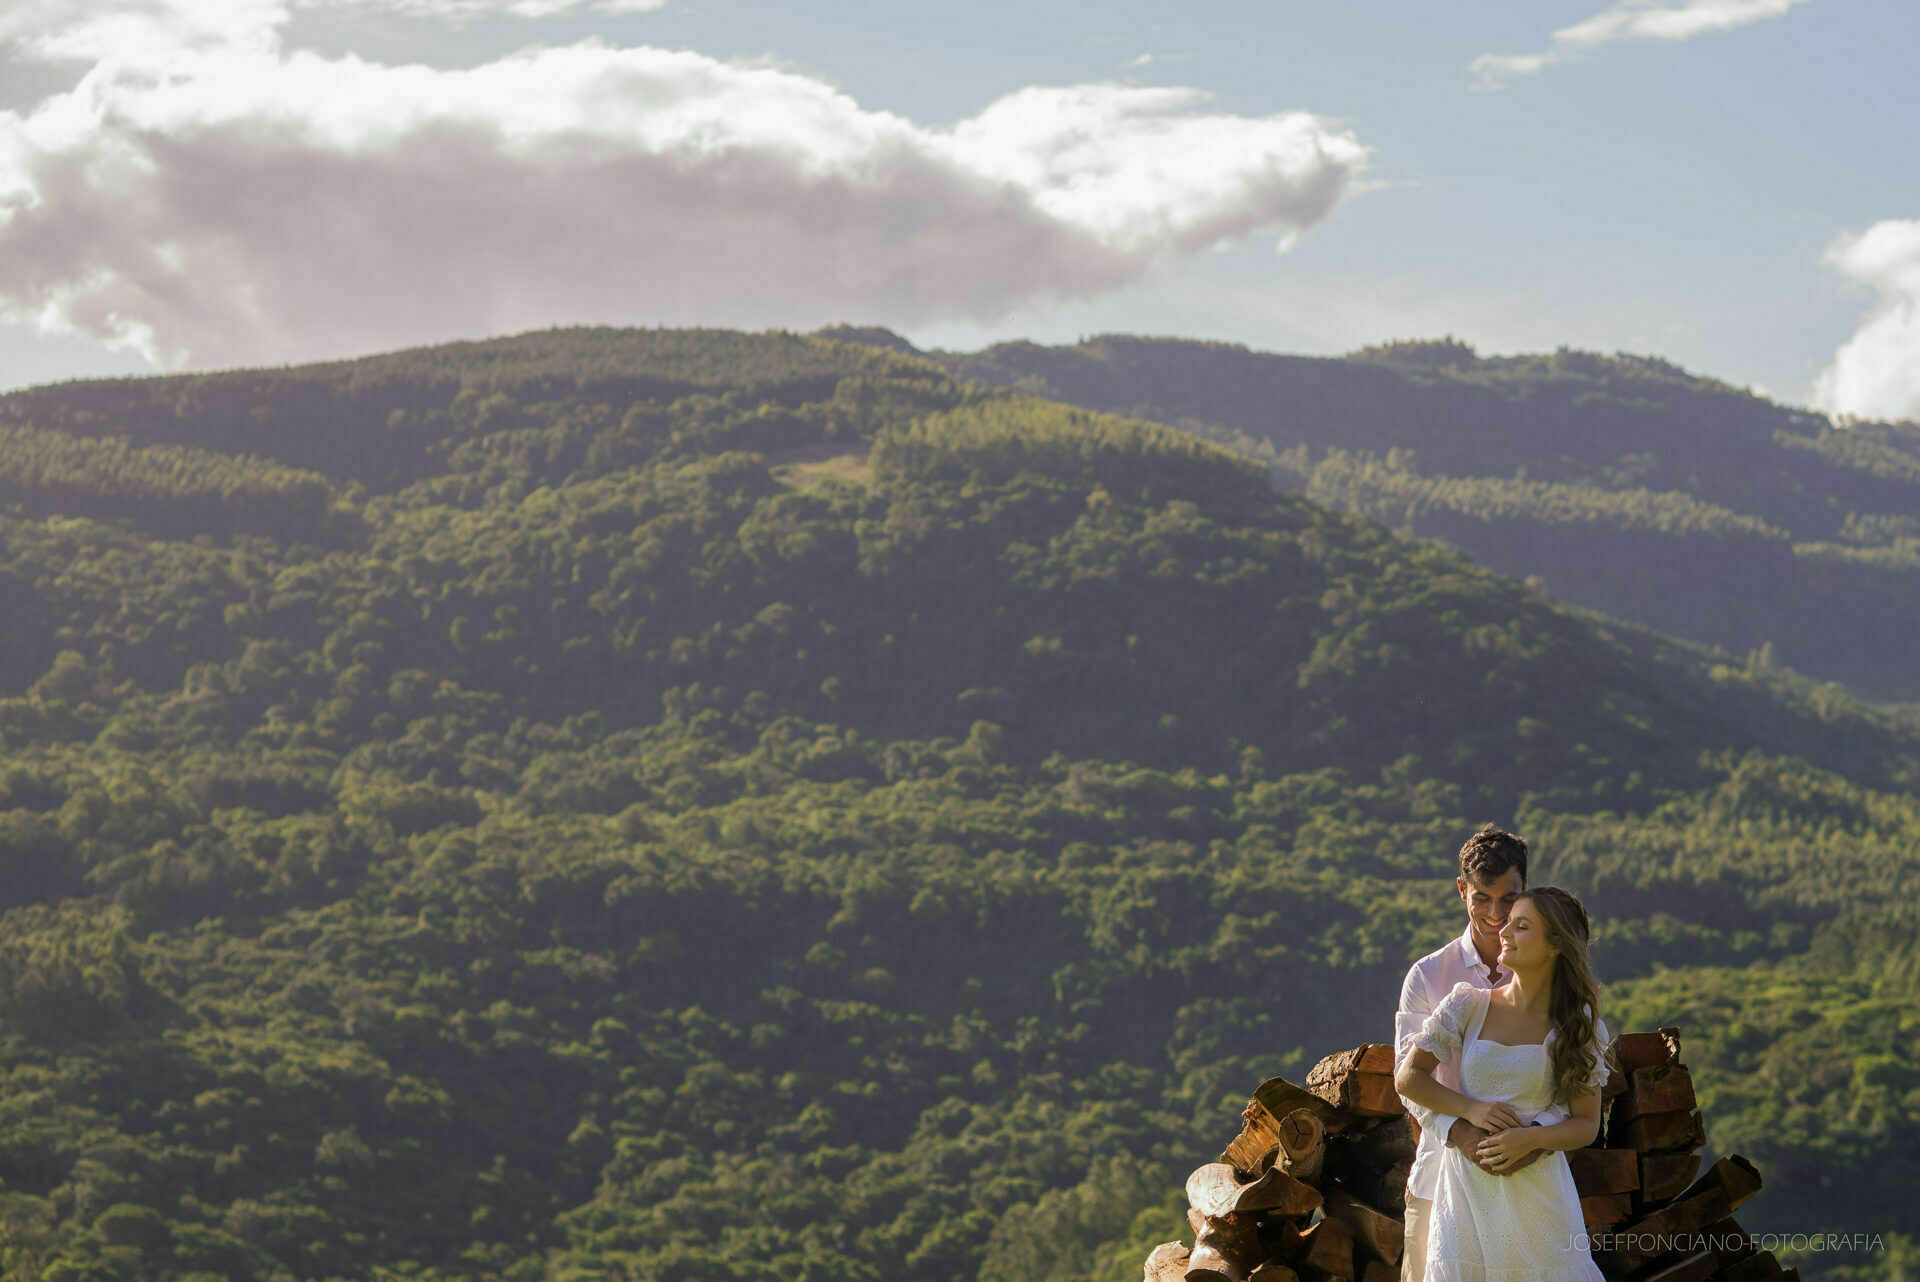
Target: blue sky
(1733,200)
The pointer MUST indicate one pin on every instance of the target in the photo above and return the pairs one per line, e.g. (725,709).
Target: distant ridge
(1800,543)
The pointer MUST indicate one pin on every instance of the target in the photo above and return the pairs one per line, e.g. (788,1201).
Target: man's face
(1489,902)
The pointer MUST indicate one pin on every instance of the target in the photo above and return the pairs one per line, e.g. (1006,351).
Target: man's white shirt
(1428,981)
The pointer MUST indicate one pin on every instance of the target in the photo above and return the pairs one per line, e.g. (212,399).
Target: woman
(1532,1051)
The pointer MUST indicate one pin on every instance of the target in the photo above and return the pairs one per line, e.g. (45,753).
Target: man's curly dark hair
(1490,852)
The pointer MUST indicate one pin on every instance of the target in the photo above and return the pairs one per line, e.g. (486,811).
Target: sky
(190,184)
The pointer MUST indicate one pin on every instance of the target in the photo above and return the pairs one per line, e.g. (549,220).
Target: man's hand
(1466,1137)
(1501,1152)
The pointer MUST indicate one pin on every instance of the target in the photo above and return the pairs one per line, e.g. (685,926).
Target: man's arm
(1416,1003)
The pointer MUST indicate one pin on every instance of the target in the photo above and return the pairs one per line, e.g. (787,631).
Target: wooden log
(1688,1215)
(1374,1095)
(1377,1236)
(1326,1247)
(1729,1241)
(1377,1058)
(1386,1189)
(1735,1176)
(1168,1263)
(1254,1146)
(1273,1271)
(1281,1097)
(1303,1145)
(1372,1159)
(1333,1069)
(1346,1081)
(1272,1100)
(1376,1271)
(1758,1267)
(1225,1248)
(1660,1133)
(1636,1051)
(1216,1192)
(1372,1145)
(1697,1267)
(1602,1209)
(1616,1080)
(1665,1176)
(1664,1088)
(1604,1170)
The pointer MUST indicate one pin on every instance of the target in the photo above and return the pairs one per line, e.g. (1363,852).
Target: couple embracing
(1500,1058)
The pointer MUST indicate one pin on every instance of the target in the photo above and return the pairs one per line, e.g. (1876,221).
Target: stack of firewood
(1314,1187)
(1649,1217)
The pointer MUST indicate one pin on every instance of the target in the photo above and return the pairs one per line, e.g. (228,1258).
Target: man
(1493,873)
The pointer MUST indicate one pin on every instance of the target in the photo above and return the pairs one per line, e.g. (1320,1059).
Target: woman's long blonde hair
(1575,1008)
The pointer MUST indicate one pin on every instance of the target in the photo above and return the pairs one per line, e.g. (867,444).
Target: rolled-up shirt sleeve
(1416,1004)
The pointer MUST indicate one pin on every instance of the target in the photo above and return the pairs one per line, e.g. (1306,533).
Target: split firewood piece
(1385,1189)
(1735,1176)
(1664,1088)
(1379,1272)
(1225,1248)
(1168,1263)
(1377,1143)
(1758,1267)
(1678,1132)
(1281,1097)
(1376,1057)
(1604,1170)
(1636,1051)
(1729,1241)
(1359,1081)
(1372,1159)
(1374,1095)
(1273,1271)
(1665,1176)
(1599,1210)
(1215,1191)
(1272,1100)
(1259,1132)
(1688,1215)
(1378,1236)
(1616,1080)
(1303,1145)
(1697,1267)
(1325,1247)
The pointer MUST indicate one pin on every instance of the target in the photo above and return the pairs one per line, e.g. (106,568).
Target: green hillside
(1621,483)
(646,804)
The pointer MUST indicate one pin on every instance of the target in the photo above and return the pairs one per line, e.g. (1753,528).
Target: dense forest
(1618,483)
(651,804)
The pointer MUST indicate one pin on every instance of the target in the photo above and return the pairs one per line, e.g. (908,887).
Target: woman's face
(1523,940)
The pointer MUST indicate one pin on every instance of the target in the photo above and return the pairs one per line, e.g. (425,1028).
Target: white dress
(1523,1227)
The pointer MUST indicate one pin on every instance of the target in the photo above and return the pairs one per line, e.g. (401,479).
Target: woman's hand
(1490,1116)
(1501,1151)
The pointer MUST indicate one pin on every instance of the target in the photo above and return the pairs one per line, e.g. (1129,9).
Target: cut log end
(1167,1263)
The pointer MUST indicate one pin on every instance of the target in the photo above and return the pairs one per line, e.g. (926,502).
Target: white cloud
(221,204)
(1876,373)
(89,30)
(1630,20)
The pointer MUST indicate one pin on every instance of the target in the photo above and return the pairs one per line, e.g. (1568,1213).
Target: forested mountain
(647,804)
(1622,483)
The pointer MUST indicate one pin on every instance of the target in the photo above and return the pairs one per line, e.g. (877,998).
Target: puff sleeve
(1596,1076)
(1441,1032)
